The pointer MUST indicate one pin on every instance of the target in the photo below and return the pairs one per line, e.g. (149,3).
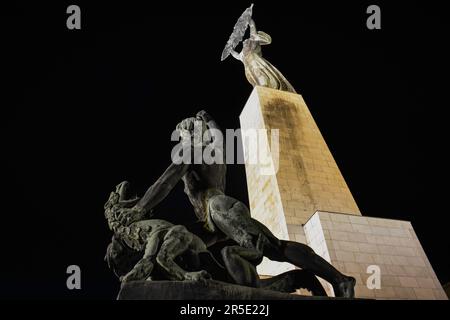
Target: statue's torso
(250,49)
(203,182)
(259,71)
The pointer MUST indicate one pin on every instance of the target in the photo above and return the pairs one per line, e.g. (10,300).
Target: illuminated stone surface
(308,201)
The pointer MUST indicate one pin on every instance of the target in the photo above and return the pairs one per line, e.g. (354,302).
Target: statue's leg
(233,219)
(237,262)
(176,242)
(292,280)
(143,269)
(304,257)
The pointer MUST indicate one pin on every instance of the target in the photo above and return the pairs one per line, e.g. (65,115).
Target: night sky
(93,107)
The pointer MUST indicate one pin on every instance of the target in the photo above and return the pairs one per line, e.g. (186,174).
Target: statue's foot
(345,288)
(197,276)
(131,276)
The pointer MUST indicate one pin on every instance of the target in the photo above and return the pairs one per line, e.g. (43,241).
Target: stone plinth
(308,179)
(202,290)
(306,199)
(353,243)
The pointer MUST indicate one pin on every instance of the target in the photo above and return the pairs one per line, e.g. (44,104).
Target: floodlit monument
(302,213)
(308,200)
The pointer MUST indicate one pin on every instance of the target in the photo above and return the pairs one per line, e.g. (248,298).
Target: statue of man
(224,217)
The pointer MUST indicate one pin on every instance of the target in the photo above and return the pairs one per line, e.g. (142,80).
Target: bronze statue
(259,71)
(154,249)
(226,218)
(141,246)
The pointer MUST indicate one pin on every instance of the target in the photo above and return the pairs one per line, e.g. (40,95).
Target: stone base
(202,290)
(352,244)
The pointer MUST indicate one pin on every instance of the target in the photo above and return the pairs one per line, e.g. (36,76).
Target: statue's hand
(203,115)
(191,131)
(187,125)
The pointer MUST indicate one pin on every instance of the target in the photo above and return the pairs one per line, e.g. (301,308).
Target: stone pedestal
(201,290)
(307,180)
(307,200)
(354,244)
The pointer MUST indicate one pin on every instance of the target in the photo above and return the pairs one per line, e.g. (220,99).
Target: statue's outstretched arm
(162,187)
(253,31)
(236,55)
(262,37)
(215,131)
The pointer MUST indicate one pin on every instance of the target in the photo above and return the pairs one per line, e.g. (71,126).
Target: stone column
(306,199)
(308,179)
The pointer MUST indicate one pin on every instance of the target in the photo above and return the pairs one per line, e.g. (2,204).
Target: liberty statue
(259,71)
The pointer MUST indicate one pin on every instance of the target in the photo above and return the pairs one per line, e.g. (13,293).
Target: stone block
(307,200)
(424,294)
(201,290)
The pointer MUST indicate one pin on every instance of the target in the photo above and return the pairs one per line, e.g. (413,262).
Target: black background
(97,106)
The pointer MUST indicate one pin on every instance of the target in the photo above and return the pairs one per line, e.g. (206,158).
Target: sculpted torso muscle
(201,183)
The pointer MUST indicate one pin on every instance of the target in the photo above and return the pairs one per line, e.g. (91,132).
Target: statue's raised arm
(162,187)
(238,33)
(259,71)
